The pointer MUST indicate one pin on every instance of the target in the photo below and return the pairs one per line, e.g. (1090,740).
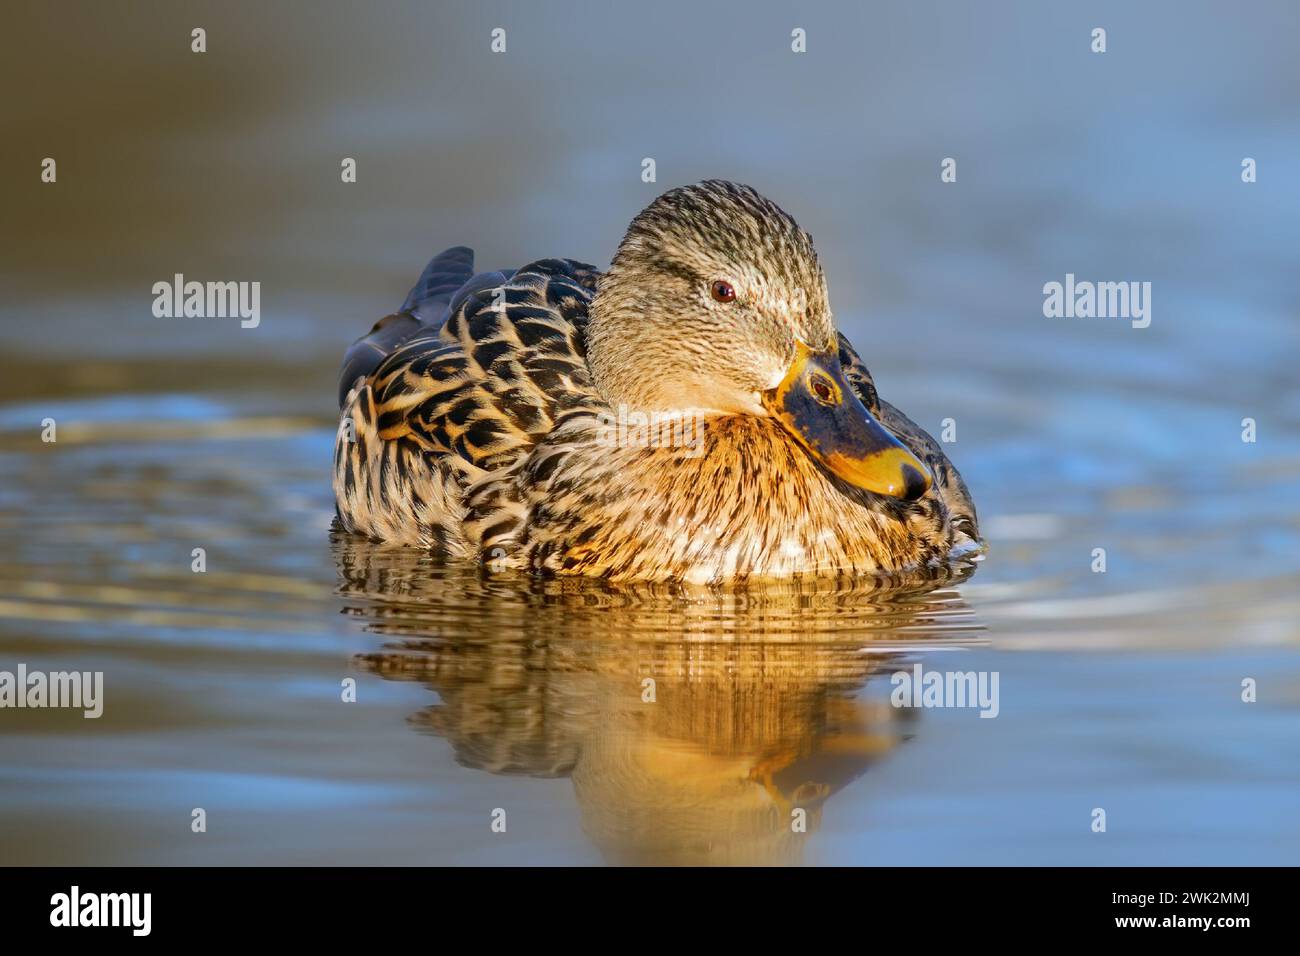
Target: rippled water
(477,693)
(480,692)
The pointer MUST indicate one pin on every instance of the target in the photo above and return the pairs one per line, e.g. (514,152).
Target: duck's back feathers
(426,305)
(464,396)
(432,292)
(486,383)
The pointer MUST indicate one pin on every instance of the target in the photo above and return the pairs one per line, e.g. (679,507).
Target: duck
(691,414)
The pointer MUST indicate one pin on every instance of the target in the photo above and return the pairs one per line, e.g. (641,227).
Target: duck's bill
(819,408)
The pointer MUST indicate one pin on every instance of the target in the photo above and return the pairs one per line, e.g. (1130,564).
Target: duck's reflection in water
(698,726)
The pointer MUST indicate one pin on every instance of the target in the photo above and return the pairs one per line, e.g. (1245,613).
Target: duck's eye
(722,291)
(824,391)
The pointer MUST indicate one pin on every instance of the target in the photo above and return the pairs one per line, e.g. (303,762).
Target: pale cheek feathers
(797,316)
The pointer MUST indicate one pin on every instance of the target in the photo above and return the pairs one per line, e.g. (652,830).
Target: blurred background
(1120,689)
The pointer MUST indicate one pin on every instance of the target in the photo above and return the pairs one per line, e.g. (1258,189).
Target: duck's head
(715,304)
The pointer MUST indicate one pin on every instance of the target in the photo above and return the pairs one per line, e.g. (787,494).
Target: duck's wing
(475,392)
(948,483)
(510,354)
(447,279)
(432,292)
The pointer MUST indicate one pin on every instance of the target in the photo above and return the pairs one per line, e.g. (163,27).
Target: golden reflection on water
(698,725)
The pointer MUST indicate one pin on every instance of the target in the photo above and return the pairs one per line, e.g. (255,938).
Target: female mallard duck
(690,414)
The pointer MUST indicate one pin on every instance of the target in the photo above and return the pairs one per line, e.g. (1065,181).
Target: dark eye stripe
(687,275)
